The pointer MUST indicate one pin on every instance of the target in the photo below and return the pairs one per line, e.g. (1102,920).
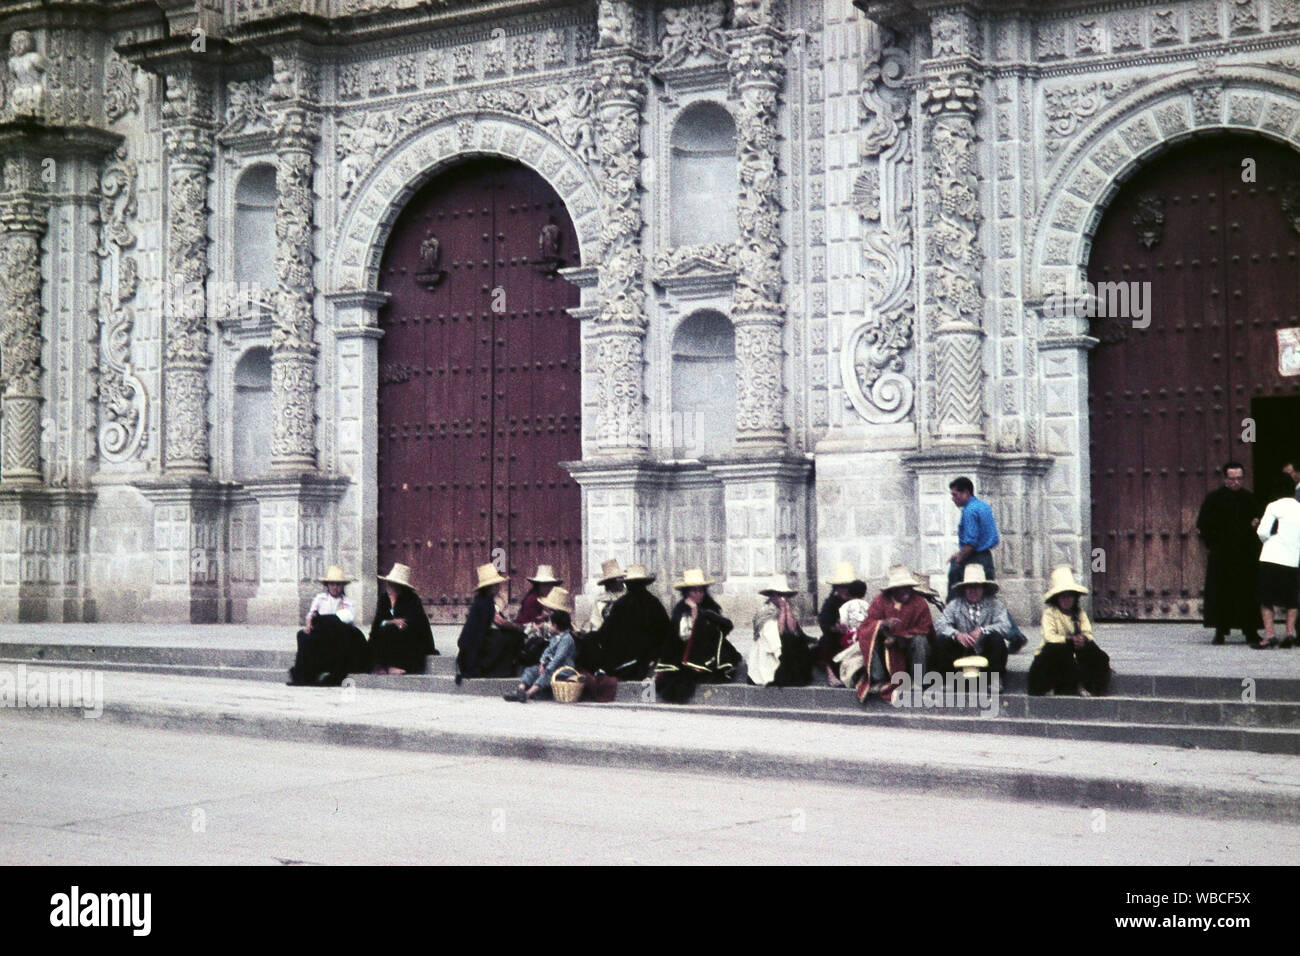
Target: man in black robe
(634,630)
(1227,523)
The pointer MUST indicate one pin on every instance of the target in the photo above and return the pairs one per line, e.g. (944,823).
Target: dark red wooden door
(479,383)
(1169,403)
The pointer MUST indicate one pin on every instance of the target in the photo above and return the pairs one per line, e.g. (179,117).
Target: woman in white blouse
(330,646)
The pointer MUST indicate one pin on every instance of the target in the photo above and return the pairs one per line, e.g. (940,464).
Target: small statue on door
(548,259)
(431,272)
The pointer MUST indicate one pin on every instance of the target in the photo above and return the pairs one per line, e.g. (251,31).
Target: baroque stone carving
(22,221)
(713,257)
(614,24)
(693,31)
(122,397)
(1068,106)
(246,106)
(871,358)
(954,262)
(756,65)
(121,97)
(28,68)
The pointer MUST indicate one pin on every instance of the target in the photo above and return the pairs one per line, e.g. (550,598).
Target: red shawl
(916,623)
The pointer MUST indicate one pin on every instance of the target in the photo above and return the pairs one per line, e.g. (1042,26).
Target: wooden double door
(479,384)
(1171,402)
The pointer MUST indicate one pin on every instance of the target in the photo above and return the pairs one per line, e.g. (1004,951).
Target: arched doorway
(1217,263)
(479,383)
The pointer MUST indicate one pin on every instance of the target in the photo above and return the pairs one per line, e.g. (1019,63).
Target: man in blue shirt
(977,533)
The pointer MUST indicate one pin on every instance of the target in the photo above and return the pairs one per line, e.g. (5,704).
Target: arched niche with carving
(252,414)
(703,180)
(254,246)
(704,386)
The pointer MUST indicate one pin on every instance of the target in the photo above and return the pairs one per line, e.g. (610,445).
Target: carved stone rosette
(22,223)
(756,63)
(954,261)
(295,123)
(619,338)
(187,133)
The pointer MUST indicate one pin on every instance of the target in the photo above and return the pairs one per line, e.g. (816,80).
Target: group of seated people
(630,635)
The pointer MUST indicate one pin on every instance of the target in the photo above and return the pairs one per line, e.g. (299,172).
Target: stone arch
(1120,141)
(383,191)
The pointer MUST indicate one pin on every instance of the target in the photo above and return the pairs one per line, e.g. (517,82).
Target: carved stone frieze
(246,107)
(20,337)
(872,356)
(123,401)
(121,95)
(694,32)
(954,261)
(1069,105)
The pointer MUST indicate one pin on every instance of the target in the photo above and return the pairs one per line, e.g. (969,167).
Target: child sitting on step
(561,650)
(1068,661)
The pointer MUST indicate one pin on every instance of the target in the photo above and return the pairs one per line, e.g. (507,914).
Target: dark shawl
(633,632)
(706,655)
(485,650)
(392,646)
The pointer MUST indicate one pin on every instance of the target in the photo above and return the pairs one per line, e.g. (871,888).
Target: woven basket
(566,689)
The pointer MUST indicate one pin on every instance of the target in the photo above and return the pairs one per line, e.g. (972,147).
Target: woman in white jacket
(1279,567)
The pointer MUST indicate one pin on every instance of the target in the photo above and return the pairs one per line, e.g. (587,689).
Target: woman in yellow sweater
(1068,661)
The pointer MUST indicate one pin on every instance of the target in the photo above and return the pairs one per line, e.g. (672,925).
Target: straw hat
(545,575)
(974,574)
(900,576)
(694,578)
(637,572)
(488,575)
(610,571)
(1063,581)
(777,585)
(844,574)
(558,600)
(401,574)
(335,575)
(972,665)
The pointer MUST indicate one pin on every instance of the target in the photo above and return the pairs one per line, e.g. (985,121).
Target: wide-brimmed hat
(335,575)
(844,574)
(777,584)
(974,574)
(694,578)
(637,572)
(545,575)
(557,600)
(901,576)
(401,574)
(972,665)
(1063,581)
(488,575)
(610,571)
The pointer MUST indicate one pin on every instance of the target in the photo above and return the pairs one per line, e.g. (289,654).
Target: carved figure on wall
(358,146)
(614,29)
(548,259)
(570,111)
(28,67)
(431,272)
(748,13)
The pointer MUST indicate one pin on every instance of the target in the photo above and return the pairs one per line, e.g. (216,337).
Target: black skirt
(329,652)
(1062,669)
(1278,585)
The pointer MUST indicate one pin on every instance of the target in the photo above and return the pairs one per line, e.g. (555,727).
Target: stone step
(1263,727)
(1188,688)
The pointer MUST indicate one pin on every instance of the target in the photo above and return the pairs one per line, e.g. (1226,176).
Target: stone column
(756,61)
(954,260)
(618,339)
(23,207)
(296,125)
(187,132)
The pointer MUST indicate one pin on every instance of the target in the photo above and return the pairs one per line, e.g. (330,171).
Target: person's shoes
(1016,643)
(1218,638)
(515,695)
(1287,642)
(1252,638)
(459,678)
(1266,645)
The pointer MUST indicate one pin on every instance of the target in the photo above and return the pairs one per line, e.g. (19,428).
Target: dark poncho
(484,649)
(393,646)
(632,634)
(706,655)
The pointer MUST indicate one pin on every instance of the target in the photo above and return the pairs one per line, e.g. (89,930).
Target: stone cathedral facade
(816,242)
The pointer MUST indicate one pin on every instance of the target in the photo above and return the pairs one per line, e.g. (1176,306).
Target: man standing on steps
(977,533)
(1227,522)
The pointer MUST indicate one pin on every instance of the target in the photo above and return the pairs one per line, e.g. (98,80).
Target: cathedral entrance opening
(479,384)
(1204,244)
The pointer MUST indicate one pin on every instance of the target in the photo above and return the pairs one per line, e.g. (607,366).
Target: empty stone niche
(704,386)
(704,183)
(254,236)
(252,451)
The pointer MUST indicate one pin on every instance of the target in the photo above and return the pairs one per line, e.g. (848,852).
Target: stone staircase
(1213,713)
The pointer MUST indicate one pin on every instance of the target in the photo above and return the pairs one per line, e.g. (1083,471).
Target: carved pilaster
(755,60)
(295,122)
(187,133)
(954,260)
(621,322)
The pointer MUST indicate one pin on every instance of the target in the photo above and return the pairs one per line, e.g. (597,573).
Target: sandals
(1267,644)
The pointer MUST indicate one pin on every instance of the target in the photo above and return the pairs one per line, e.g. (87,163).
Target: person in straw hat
(634,629)
(780,656)
(974,623)
(1068,661)
(845,586)
(329,645)
(400,636)
(895,635)
(530,608)
(696,646)
(489,644)
(612,580)
(557,610)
